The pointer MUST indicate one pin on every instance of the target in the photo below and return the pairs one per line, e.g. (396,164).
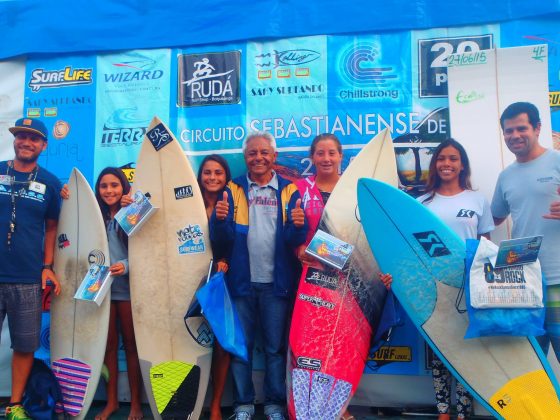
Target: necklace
(31,178)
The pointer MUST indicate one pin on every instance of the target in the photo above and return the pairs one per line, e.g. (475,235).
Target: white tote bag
(517,286)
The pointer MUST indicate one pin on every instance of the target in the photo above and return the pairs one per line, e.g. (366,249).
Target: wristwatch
(48,267)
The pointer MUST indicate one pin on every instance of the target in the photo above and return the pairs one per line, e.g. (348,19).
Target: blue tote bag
(217,307)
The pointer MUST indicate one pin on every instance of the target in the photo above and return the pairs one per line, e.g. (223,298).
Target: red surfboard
(337,311)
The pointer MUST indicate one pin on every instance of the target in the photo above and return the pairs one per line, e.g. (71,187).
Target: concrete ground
(360,413)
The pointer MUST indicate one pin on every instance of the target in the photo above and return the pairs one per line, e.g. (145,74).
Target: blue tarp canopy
(64,26)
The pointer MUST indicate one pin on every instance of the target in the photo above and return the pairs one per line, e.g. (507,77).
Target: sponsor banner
(132,88)
(209,79)
(286,85)
(209,115)
(369,70)
(431,49)
(61,91)
(12,82)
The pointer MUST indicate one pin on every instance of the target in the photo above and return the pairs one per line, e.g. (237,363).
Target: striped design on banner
(73,377)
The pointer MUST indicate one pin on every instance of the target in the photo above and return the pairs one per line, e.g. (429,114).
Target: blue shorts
(22,303)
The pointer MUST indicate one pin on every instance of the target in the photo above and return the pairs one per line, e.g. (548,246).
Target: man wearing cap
(29,209)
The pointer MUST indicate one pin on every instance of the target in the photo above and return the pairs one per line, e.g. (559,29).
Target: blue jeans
(270,313)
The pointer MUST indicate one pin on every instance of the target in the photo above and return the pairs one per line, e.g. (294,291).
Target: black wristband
(48,267)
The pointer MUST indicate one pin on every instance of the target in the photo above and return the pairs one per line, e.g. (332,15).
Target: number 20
(447,49)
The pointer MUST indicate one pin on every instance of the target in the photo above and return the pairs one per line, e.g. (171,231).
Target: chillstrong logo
(360,64)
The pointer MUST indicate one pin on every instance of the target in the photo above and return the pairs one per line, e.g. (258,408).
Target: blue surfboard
(509,376)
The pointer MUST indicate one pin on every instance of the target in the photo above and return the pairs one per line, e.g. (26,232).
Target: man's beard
(30,159)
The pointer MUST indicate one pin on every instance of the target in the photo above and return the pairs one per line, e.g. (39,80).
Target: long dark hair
(434,180)
(220,161)
(105,211)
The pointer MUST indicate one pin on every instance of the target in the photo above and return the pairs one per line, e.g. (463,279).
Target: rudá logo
(209,79)
(432,244)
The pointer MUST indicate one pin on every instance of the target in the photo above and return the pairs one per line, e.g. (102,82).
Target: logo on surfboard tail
(432,244)
(303,362)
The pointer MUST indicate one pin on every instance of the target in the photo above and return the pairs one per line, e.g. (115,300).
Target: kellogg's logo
(296,58)
(41,78)
(209,79)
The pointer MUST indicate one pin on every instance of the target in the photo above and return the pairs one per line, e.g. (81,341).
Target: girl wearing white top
(450,196)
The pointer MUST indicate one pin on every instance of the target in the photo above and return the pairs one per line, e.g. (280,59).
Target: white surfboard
(78,332)
(168,258)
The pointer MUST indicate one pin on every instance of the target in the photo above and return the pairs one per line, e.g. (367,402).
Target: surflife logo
(209,79)
(68,76)
(303,362)
(136,68)
(191,240)
(124,127)
(183,192)
(367,77)
(326,279)
(432,244)
(159,136)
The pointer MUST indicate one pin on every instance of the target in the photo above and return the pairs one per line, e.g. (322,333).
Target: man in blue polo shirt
(29,209)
